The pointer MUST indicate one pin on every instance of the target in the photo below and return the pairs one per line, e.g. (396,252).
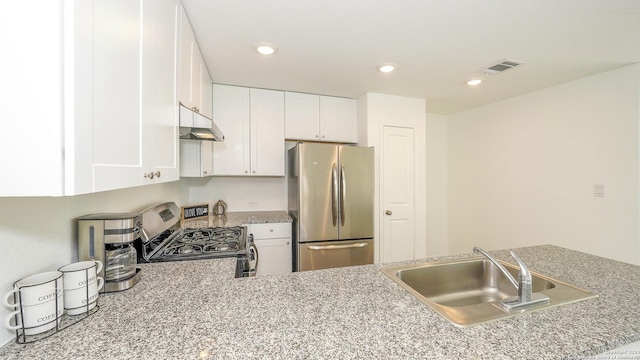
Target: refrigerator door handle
(334,194)
(343,194)
(337,247)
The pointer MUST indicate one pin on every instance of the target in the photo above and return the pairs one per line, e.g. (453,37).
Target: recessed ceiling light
(266,48)
(474,82)
(387,67)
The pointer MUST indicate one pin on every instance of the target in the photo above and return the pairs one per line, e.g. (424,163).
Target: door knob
(388,212)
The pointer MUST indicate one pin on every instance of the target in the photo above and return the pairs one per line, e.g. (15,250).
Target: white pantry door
(398,198)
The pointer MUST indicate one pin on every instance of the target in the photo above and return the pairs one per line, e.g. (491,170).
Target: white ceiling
(333,47)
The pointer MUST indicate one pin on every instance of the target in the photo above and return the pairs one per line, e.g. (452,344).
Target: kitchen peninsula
(196,309)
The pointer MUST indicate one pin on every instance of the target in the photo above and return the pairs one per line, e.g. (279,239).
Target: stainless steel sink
(467,292)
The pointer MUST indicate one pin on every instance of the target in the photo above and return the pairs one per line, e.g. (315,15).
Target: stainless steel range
(162,239)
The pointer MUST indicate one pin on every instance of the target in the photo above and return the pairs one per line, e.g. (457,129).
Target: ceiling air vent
(502,66)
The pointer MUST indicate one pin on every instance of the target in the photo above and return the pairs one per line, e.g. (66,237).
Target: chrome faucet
(525,296)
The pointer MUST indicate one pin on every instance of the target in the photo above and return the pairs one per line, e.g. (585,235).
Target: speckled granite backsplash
(197,310)
(237,218)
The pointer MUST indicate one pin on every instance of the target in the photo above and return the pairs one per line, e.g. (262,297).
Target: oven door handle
(252,254)
(337,247)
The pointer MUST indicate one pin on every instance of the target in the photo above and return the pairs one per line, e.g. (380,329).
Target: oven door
(331,254)
(243,267)
(247,265)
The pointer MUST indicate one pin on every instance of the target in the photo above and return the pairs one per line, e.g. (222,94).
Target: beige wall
(522,171)
(436,183)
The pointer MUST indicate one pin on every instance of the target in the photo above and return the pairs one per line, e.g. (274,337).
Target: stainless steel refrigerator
(331,203)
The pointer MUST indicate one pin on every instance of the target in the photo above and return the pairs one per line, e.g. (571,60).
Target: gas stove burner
(225,245)
(188,249)
(199,243)
(197,233)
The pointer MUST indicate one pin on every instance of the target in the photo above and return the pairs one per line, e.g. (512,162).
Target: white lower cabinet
(273,241)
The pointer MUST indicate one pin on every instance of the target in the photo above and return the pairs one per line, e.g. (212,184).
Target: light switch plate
(599,190)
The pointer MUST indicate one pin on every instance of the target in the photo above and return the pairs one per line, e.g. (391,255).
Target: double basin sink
(467,292)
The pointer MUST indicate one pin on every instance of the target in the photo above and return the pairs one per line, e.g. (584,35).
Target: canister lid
(110,216)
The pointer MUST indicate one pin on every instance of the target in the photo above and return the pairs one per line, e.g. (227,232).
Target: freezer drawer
(331,254)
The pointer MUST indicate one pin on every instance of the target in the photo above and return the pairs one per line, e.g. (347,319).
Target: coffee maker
(109,237)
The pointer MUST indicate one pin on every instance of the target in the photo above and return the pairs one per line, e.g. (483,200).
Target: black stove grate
(197,243)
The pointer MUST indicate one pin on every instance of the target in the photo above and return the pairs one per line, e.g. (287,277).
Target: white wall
(241,193)
(39,233)
(436,184)
(522,171)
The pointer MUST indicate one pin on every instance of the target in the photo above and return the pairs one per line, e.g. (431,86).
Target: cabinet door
(267,132)
(338,119)
(34,168)
(274,256)
(117,124)
(196,158)
(159,110)
(187,43)
(302,114)
(198,71)
(273,241)
(231,111)
(206,103)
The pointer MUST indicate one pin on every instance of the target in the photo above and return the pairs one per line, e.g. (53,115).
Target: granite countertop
(195,309)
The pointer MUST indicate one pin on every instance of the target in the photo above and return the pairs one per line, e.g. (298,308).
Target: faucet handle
(525,282)
(525,274)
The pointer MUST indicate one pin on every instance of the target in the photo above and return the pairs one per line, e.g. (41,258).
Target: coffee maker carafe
(109,237)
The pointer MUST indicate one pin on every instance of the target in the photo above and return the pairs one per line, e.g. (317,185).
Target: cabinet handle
(195,108)
(316,136)
(246,171)
(388,212)
(270,230)
(254,171)
(151,175)
(323,136)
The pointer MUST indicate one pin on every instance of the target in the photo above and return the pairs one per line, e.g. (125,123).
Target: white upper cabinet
(110,112)
(252,121)
(338,119)
(159,82)
(320,118)
(117,95)
(302,116)
(196,158)
(194,89)
(267,132)
(135,119)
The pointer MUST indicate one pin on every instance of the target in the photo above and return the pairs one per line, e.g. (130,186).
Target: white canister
(35,289)
(80,274)
(79,301)
(81,286)
(39,300)
(37,318)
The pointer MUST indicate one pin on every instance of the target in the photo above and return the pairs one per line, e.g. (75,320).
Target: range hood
(195,126)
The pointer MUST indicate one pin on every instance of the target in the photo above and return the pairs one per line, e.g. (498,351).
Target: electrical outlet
(599,190)
(252,203)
